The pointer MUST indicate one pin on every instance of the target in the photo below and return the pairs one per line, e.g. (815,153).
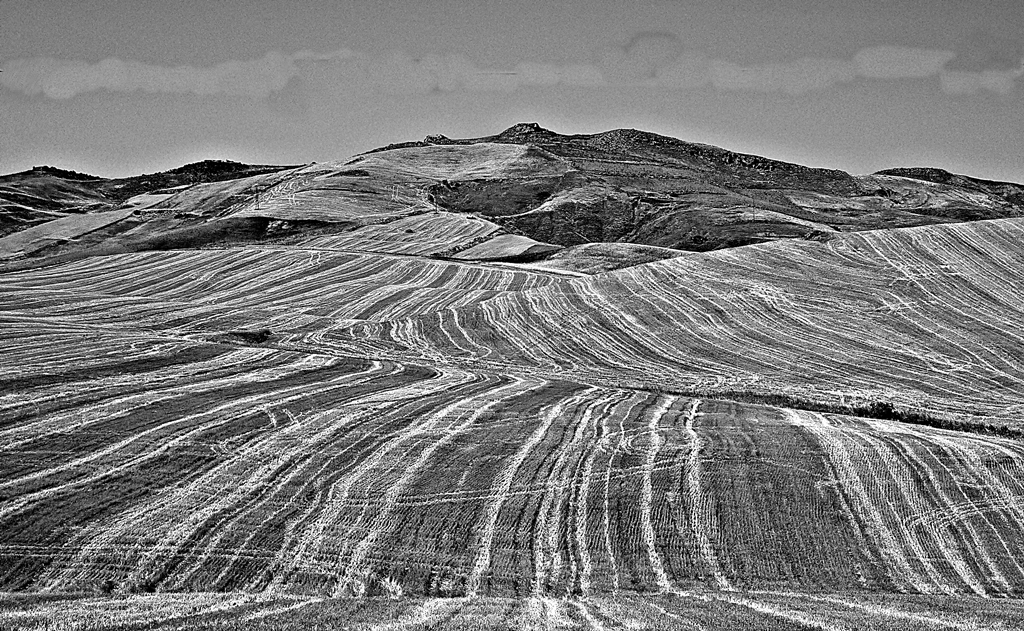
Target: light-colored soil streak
(500,492)
(291,425)
(654,442)
(899,479)
(701,517)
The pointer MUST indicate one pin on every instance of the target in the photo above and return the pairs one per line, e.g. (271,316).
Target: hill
(379,408)
(45,193)
(622,186)
(639,187)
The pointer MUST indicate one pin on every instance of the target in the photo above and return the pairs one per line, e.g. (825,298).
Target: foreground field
(270,471)
(709,611)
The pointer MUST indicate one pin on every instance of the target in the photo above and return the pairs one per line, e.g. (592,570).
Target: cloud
(64,79)
(640,58)
(985,61)
(798,77)
(998,81)
(398,73)
(983,51)
(395,73)
(648,60)
(897,62)
(540,74)
(879,63)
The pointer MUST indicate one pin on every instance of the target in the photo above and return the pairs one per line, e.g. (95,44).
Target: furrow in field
(127,453)
(824,322)
(701,518)
(449,423)
(583,507)
(647,492)
(206,289)
(500,489)
(424,234)
(171,518)
(885,534)
(935,506)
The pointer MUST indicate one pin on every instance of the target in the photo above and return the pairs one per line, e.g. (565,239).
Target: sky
(115,88)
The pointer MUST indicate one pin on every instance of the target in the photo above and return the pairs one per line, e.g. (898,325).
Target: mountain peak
(520,130)
(437,139)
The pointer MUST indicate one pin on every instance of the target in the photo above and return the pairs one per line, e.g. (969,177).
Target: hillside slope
(358,404)
(315,421)
(639,187)
(924,318)
(45,193)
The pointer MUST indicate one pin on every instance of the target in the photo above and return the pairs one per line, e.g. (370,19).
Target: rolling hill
(46,193)
(639,187)
(622,186)
(376,394)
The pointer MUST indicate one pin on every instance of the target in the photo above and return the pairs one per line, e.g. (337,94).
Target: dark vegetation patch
(45,170)
(196,173)
(882,410)
(353,173)
(251,336)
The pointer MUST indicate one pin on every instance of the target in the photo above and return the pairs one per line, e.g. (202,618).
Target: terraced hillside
(382,425)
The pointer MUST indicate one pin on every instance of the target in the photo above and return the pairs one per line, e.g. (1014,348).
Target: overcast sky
(117,87)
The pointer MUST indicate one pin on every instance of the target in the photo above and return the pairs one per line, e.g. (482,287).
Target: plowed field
(292,435)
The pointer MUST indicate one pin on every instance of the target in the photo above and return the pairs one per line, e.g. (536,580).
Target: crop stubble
(492,431)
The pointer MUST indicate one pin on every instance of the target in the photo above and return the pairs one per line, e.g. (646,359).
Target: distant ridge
(1011,191)
(44,170)
(641,187)
(617,186)
(45,193)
